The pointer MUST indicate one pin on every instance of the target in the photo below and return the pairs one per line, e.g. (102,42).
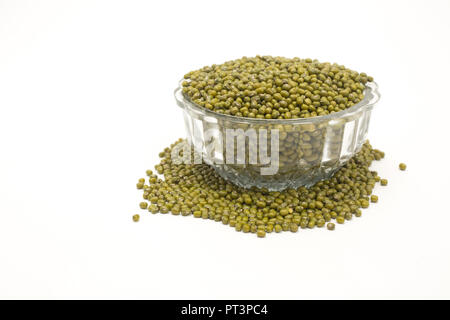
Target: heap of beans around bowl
(265,87)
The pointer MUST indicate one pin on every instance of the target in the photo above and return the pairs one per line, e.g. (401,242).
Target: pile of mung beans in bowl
(273,144)
(276,123)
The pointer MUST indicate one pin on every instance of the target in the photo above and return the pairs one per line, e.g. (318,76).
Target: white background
(86,105)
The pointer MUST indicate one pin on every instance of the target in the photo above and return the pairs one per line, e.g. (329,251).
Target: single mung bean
(261,233)
(340,220)
(320,223)
(293,227)
(197,214)
(311,224)
(164,210)
(143,205)
(364,203)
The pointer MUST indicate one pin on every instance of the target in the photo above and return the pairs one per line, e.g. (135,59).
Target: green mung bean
(143,205)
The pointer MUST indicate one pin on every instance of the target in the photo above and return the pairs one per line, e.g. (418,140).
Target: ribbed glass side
(277,154)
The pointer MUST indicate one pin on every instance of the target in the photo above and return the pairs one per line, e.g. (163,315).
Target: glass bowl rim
(371,97)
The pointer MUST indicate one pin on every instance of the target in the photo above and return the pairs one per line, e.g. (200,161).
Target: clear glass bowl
(278,153)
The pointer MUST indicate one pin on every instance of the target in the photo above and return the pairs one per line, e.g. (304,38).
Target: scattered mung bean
(196,189)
